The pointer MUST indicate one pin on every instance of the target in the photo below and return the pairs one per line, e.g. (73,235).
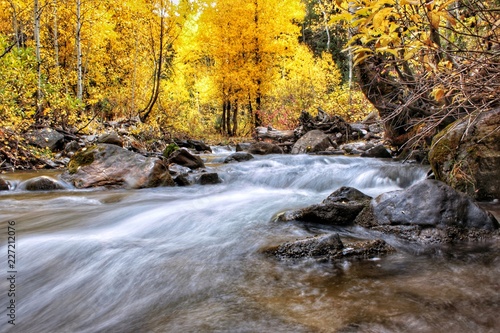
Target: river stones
(340,208)
(329,247)
(428,212)
(112,166)
(111,138)
(379,151)
(209,178)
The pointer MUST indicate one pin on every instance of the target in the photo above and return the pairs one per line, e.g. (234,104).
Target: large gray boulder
(466,155)
(46,138)
(112,166)
(340,208)
(313,141)
(428,212)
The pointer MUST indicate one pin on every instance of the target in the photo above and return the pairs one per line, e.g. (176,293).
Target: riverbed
(189,259)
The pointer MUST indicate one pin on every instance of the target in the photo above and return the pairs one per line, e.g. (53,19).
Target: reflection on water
(189,260)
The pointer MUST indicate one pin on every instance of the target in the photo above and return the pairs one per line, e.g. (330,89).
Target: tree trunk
(157,77)
(79,63)
(36,15)
(235,118)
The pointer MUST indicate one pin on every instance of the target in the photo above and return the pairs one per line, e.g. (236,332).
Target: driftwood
(335,125)
(274,135)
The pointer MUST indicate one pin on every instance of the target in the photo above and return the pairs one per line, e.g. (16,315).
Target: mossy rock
(83,157)
(170,149)
(466,155)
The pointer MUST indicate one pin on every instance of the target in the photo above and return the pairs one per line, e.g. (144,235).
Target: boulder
(211,178)
(340,208)
(330,247)
(46,138)
(466,155)
(42,183)
(4,185)
(238,157)
(111,138)
(378,151)
(243,146)
(428,212)
(313,141)
(197,145)
(109,165)
(264,148)
(185,158)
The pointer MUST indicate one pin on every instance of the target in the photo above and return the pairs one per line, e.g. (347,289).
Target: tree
(424,64)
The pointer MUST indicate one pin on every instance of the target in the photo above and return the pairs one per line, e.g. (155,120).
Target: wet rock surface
(340,208)
(329,248)
(4,185)
(264,148)
(46,138)
(42,183)
(238,157)
(109,165)
(313,141)
(185,158)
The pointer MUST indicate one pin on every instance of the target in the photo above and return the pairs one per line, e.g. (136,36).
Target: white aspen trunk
(79,64)
(36,15)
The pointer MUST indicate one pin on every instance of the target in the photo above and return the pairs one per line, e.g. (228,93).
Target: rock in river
(110,165)
(330,247)
(340,208)
(42,183)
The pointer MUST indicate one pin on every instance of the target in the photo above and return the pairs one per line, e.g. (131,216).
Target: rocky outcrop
(185,158)
(238,157)
(42,183)
(466,155)
(340,208)
(46,138)
(264,148)
(197,145)
(334,126)
(330,247)
(112,166)
(313,141)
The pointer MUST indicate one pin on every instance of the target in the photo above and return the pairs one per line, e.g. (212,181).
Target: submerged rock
(330,247)
(340,208)
(42,183)
(109,165)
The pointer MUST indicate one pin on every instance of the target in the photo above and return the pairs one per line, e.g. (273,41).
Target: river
(188,259)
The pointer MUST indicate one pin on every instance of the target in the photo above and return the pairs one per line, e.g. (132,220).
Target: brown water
(189,260)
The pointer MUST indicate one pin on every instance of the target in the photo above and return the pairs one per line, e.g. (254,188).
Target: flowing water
(188,259)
